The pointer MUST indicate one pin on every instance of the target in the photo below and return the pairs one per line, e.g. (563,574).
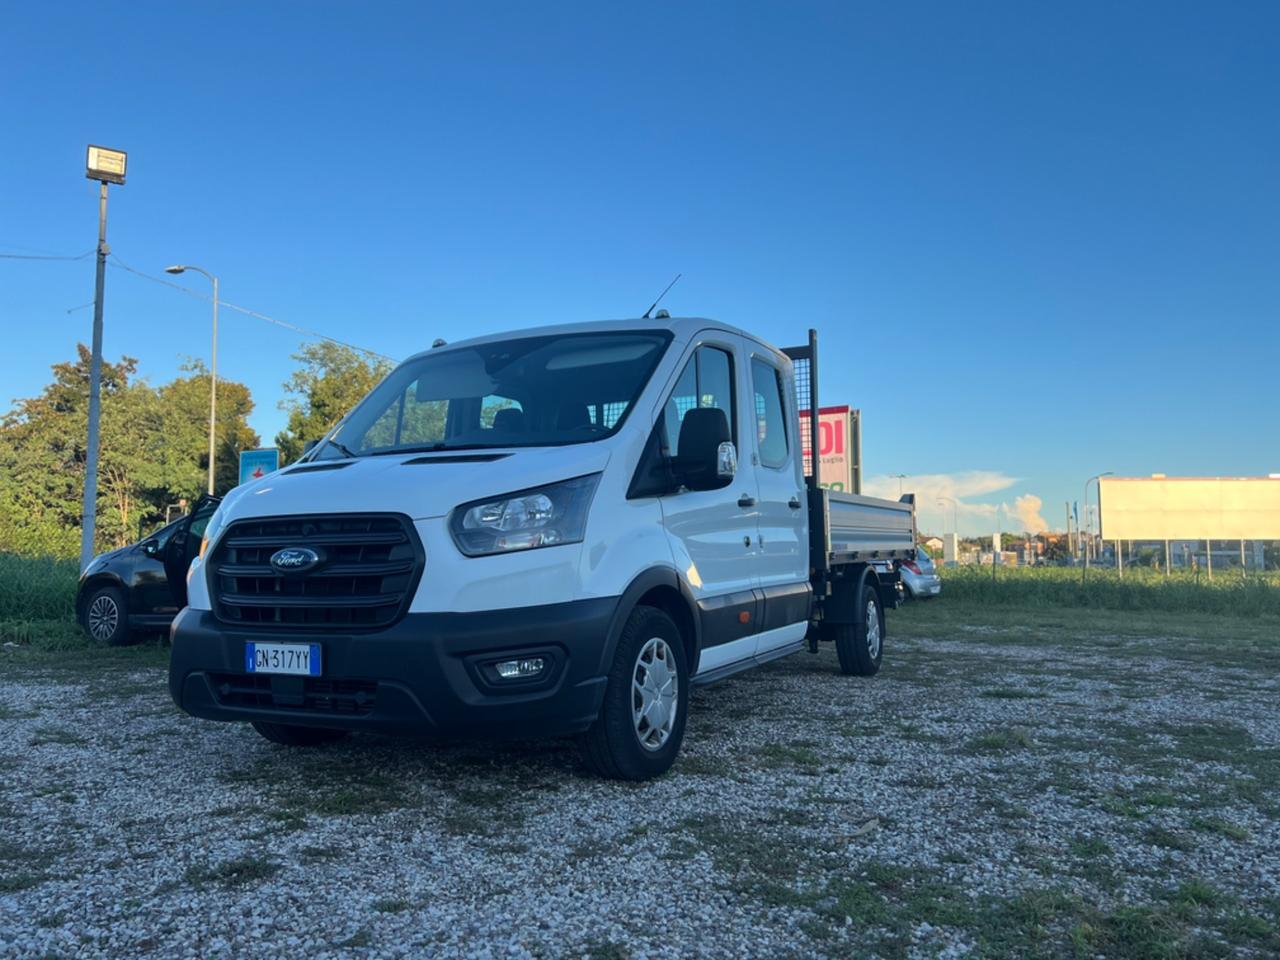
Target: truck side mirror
(705,456)
(726,461)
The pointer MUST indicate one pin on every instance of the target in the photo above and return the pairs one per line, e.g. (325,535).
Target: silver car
(920,577)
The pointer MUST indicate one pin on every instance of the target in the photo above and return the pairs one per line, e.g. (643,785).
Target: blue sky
(1038,242)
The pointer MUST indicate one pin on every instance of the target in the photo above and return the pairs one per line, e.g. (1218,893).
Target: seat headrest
(509,420)
(702,427)
(572,416)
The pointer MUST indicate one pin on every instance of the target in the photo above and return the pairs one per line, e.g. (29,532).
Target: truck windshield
(522,392)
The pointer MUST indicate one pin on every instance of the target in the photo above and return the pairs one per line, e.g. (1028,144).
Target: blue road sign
(258,463)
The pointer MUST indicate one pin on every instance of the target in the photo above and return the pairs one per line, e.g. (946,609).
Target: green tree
(43,453)
(184,457)
(152,451)
(332,379)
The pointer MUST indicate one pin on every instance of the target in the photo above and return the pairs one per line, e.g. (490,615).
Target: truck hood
(420,485)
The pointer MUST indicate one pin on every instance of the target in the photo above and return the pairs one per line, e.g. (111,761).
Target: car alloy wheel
(103,617)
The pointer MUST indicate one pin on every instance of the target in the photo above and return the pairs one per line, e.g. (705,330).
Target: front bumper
(428,673)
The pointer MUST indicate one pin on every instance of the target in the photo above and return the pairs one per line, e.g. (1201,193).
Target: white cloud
(944,501)
(1027,509)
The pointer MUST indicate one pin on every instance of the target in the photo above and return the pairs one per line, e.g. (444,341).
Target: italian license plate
(301,659)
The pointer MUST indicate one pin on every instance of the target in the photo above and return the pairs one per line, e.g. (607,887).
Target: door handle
(794,503)
(746,500)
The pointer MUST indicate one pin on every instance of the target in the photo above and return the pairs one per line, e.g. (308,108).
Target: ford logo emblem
(295,559)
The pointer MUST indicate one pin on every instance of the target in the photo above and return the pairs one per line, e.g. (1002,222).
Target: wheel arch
(842,606)
(95,582)
(659,587)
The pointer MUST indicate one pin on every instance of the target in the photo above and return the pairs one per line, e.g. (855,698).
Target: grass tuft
(234,873)
(1001,741)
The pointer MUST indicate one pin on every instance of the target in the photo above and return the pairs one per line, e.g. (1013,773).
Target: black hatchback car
(144,585)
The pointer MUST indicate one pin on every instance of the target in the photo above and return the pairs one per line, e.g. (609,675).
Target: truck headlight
(211,531)
(542,517)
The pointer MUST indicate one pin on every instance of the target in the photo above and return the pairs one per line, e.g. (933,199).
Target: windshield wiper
(342,448)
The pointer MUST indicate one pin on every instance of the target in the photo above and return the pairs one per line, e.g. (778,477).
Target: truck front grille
(369,566)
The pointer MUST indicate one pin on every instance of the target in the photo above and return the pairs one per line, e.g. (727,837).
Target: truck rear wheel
(641,723)
(291,736)
(860,646)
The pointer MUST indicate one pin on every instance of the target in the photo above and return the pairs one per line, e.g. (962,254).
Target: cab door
(182,547)
(713,532)
(782,562)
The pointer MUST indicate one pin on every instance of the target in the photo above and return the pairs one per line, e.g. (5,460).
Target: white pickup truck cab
(549,532)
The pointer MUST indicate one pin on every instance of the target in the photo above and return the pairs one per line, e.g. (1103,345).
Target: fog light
(520,669)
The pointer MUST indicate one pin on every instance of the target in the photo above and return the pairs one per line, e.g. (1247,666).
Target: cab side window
(771,422)
(707,381)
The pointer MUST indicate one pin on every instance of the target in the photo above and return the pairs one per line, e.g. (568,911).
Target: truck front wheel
(860,646)
(291,736)
(641,723)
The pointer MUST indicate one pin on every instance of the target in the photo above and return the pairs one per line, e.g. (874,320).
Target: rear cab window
(770,414)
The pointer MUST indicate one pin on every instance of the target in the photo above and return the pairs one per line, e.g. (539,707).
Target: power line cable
(34,256)
(115,261)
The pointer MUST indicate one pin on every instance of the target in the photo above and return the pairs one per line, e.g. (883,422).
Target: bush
(1140,589)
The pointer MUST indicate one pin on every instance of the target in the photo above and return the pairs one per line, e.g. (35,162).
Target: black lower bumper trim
(428,673)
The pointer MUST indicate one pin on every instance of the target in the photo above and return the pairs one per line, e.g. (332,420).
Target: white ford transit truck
(556,531)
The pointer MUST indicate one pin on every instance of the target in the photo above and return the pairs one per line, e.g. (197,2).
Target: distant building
(934,544)
(1007,558)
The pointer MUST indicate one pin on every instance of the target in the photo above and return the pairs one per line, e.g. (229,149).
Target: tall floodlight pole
(900,477)
(213,364)
(1089,521)
(955,514)
(106,166)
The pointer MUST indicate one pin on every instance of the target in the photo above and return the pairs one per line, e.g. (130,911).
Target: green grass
(234,873)
(1225,828)
(1228,594)
(1001,741)
(37,601)
(1239,641)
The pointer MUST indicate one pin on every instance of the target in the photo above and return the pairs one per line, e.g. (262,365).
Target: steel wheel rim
(104,617)
(873,629)
(655,694)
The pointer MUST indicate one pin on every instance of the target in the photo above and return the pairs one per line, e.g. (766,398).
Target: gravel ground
(1039,796)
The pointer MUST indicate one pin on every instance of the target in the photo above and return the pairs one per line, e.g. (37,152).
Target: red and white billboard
(835,447)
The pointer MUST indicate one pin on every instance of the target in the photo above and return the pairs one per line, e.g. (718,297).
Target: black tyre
(860,646)
(291,736)
(105,616)
(641,723)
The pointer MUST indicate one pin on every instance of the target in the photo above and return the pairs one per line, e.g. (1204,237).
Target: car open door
(182,547)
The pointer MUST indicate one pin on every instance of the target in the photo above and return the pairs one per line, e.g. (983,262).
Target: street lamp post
(106,166)
(955,528)
(213,364)
(955,514)
(1089,521)
(900,477)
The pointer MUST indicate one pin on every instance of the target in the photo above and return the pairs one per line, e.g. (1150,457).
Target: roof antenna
(660,296)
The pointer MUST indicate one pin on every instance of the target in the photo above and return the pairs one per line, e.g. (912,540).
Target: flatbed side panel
(868,528)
